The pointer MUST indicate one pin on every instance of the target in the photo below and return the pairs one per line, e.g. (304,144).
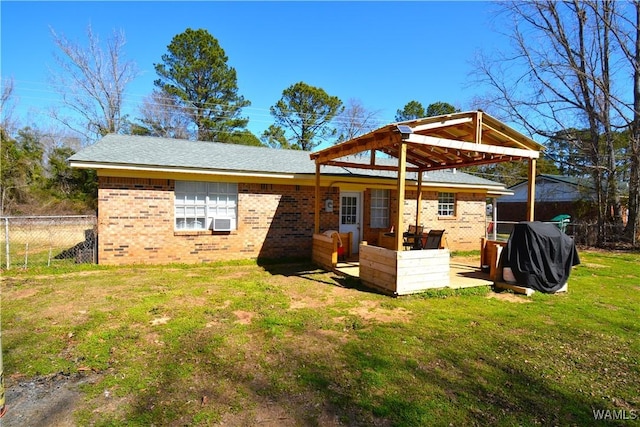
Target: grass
(238,343)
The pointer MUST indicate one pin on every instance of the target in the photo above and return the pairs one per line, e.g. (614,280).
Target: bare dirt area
(509,297)
(44,401)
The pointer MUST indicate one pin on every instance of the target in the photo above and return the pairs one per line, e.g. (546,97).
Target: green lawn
(243,344)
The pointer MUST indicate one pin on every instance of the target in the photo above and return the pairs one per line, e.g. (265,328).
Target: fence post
(3,408)
(6,239)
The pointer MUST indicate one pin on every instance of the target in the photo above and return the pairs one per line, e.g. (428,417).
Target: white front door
(351,217)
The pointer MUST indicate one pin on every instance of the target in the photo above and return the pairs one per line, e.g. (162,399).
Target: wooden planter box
(325,249)
(404,272)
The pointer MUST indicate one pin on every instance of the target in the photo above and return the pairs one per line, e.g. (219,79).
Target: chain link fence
(30,241)
(585,234)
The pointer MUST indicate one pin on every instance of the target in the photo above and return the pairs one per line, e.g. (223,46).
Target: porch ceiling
(441,142)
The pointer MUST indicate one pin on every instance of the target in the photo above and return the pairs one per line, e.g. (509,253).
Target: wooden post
(419,202)
(316,218)
(478,123)
(494,212)
(402,172)
(531,190)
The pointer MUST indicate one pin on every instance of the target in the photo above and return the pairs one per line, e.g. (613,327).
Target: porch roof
(441,142)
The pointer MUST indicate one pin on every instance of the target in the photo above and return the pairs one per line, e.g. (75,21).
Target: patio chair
(413,237)
(434,238)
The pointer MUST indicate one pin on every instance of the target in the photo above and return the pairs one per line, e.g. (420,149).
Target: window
(198,203)
(379,208)
(349,210)
(446,204)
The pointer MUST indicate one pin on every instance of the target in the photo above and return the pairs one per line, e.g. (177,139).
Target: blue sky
(384,54)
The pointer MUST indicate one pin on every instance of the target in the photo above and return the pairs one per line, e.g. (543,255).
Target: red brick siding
(463,231)
(136,223)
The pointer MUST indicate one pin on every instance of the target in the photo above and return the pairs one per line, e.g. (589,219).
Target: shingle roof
(571,180)
(143,151)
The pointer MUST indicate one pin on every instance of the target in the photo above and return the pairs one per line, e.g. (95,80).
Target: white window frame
(379,209)
(197,203)
(447,204)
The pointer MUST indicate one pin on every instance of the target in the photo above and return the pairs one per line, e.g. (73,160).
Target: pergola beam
(345,164)
(373,141)
(504,135)
(441,124)
(471,146)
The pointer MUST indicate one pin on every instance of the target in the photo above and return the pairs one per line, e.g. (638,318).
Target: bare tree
(91,81)
(355,120)
(627,36)
(6,106)
(560,77)
(633,220)
(163,115)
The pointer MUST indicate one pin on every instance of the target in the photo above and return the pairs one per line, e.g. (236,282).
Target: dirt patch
(45,401)
(224,305)
(298,302)
(370,310)
(244,317)
(72,274)
(24,293)
(159,321)
(593,265)
(270,413)
(504,296)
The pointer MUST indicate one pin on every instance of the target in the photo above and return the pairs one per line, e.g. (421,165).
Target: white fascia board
(112,166)
(471,146)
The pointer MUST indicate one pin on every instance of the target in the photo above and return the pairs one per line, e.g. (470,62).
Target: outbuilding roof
(584,182)
(124,152)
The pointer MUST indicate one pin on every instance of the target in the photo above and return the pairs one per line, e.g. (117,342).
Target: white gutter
(115,166)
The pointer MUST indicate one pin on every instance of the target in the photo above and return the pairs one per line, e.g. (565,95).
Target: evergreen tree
(306,111)
(196,72)
(411,111)
(440,109)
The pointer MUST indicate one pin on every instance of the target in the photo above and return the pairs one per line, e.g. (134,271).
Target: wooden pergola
(441,142)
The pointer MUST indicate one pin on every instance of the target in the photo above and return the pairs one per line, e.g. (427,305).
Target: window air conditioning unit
(222,224)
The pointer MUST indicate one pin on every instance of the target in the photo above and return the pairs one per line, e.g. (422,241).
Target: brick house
(164,200)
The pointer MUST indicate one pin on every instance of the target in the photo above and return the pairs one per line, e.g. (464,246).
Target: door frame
(357,238)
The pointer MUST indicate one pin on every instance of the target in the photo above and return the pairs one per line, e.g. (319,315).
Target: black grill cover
(540,256)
